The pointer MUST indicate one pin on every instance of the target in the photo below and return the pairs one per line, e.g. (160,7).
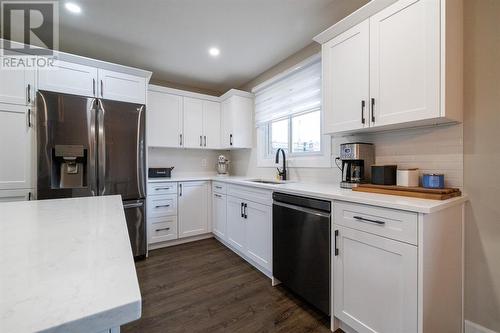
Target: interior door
(193,123)
(211,124)
(193,221)
(405,62)
(164,119)
(259,233)
(346,80)
(235,224)
(375,282)
(121,153)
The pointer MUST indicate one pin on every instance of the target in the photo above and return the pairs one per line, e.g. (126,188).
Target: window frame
(269,149)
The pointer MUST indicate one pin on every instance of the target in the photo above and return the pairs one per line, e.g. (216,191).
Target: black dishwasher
(301,247)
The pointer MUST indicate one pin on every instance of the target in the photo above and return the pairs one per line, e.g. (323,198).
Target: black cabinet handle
(201,141)
(162,229)
(28,92)
(29,196)
(245,211)
(160,206)
(241,210)
(363,103)
(373,110)
(180,139)
(29,117)
(180,190)
(205,139)
(93,86)
(359,218)
(102,89)
(217,195)
(336,248)
(230,139)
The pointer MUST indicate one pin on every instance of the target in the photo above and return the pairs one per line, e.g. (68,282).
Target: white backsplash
(437,149)
(186,162)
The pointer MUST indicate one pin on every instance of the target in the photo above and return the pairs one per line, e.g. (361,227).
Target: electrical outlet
(203,162)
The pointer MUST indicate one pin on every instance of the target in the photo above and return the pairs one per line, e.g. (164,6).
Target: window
(288,114)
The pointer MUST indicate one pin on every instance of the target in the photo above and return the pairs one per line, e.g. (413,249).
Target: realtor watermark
(30,34)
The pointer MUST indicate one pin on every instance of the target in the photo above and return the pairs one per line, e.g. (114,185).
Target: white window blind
(294,92)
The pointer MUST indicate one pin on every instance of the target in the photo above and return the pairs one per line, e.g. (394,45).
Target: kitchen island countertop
(67,266)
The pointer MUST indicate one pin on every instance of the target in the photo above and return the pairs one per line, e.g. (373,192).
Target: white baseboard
(471,327)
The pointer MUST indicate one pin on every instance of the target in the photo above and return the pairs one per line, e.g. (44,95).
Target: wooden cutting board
(414,192)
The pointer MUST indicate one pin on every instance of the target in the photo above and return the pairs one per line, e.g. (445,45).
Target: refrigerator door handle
(141,168)
(92,149)
(101,144)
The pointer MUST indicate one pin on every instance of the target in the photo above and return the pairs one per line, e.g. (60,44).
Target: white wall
(186,161)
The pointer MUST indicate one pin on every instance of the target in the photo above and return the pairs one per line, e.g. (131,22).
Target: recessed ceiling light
(213,51)
(73,7)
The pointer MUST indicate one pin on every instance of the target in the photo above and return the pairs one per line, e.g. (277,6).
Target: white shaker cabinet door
(16,195)
(17,86)
(211,124)
(122,87)
(193,122)
(69,78)
(236,224)
(405,62)
(164,120)
(375,282)
(346,83)
(219,215)
(16,147)
(193,208)
(259,233)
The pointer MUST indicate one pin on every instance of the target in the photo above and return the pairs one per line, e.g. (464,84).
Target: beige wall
(482,161)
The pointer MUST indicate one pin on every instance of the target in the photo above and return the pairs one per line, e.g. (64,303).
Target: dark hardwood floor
(204,287)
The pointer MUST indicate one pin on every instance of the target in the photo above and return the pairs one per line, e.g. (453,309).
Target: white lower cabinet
(162,212)
(249,226)
(219,204)
(375,282)
(236,224)
(162,229)
(193,208)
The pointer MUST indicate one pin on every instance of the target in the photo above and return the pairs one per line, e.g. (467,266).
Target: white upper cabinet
(405,62)
(346,83)
(17,86)
(121,87)
(69,78)
(400,66)
(193,208)
(164,119)
(211,124)
(237,121)
(16,147)
(193,123)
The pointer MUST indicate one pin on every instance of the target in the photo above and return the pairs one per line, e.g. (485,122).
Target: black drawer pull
(359,218)
(162,188)
(160,206)
(162,229)
(218,187)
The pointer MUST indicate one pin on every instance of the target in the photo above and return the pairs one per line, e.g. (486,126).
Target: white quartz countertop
(334,192)
(66,266)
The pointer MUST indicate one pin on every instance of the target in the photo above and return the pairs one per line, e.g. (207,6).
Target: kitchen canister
(433,180)
(407,177)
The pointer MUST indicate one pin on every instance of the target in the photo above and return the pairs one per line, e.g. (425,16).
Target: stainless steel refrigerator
(93,147)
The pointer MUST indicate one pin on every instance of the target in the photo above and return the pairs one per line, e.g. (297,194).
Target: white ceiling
(171,37)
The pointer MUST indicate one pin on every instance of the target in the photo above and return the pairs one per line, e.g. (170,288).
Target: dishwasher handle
(303,209)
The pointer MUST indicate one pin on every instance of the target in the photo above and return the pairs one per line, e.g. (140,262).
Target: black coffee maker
(357,159)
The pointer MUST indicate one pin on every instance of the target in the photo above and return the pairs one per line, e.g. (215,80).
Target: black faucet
(282,172)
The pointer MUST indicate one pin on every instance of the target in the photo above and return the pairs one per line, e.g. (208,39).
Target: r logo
(32,23)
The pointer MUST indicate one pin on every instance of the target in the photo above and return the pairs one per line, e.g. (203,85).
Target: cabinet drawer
(162,229)
(395,224)
(248,193)
(219,187)
(162,205)
(162,188)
